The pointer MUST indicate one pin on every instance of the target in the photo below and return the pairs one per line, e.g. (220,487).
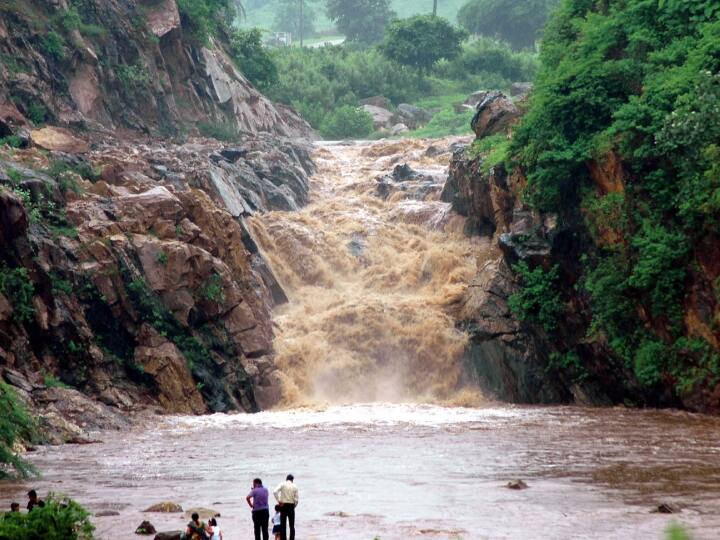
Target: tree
(252,58)
(421,41)
(518,22)
(361,21)
(434,7)
(288,16)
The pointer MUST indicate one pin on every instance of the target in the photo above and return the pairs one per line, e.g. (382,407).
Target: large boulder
(169,535)
(496,113)
(412,116)
(382,118)
(58,140)
(377,101)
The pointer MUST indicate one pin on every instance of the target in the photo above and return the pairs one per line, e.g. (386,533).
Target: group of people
(199,530)
(33,501)
(286,495)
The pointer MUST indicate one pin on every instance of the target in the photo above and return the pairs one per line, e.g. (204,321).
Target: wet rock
(171,535)
(516,484)
(484,197)
(11,376)
(414,184)
(204,513)
(58,139)
(520,89)
(473,100)
(412,116)
(107,513)
(399,129)
(496,113)
(145,528)
(165,507)
(667,508)
(382,118)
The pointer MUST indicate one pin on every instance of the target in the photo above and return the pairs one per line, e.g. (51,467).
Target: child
(216,532)
(276,523)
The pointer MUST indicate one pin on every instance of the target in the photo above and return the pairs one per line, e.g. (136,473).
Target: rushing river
(382,436)
(409,471)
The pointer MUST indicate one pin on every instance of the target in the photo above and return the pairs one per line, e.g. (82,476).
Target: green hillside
(262,12)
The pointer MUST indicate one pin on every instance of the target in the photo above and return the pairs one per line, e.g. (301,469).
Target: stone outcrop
(130,277)
(130,64)
(520,361)
(496,113)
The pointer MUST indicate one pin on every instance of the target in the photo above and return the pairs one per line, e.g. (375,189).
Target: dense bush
(316,81)
(538,299)
(15,424)
(252,58)
(491,57)
(16,286)
(347,122)
(639,81)
(60,519)
(518,22)
(421,41)
(205,18)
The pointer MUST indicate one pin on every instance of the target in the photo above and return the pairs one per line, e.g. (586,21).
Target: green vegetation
(261,13)
(205,18)
(53,382)
(53,45)
(13,141)
(287,18)
(15,424)
(197,355)
(222,131)
(360,21)
(162,258)
(538,299)
(134,78)
(37,112)
(214,290)
(675,531)
(519,22)
(318,81)
(636,82)
(60,519)
(18,288)
(421,41)
(252,58)
(346,122)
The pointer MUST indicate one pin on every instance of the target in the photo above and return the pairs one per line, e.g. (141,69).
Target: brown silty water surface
(373,424)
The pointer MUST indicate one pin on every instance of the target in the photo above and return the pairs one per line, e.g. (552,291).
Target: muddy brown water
(376,425)
(399,471)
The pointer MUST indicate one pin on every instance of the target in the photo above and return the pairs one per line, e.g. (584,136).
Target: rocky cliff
(127,277)
(528,359)
(109,64)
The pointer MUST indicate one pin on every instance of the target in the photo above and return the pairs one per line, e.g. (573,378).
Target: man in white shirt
(286,495)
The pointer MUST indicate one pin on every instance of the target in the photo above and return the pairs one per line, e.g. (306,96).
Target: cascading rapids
(372,286)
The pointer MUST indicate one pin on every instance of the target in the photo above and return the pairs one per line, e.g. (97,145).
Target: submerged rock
(145,528)
(516,484)
(170,535)
(414,184)
(165,507)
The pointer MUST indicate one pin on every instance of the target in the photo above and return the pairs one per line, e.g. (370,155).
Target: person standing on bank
(257,499)
(286,495)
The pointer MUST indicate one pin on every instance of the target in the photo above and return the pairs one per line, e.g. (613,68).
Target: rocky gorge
(129,279)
